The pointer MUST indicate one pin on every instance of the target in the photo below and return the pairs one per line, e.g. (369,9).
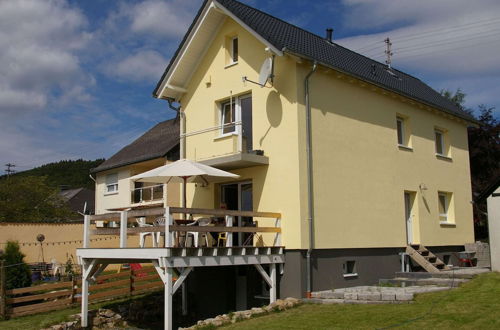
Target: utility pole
(9,169)
(388,52)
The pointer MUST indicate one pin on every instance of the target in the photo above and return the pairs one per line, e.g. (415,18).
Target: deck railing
(171,228)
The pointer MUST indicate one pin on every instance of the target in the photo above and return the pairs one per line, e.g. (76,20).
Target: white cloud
(159,18)
(145,65)
(38,41)
(445,41)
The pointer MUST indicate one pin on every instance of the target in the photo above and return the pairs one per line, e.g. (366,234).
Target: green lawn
(475,305)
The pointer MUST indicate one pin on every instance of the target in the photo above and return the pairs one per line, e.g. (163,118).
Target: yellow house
(114,189)
(361,159)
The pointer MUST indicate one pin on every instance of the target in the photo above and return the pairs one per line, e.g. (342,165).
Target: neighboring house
(388,164)
(79,200)
(154,148)
(492,196)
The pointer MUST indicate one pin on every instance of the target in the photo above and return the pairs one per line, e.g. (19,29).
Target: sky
(76,77)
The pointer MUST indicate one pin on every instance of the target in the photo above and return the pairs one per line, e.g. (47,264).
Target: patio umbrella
(184,171)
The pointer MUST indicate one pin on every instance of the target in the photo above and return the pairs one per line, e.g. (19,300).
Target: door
(409,217)
(239,197)
(246,119)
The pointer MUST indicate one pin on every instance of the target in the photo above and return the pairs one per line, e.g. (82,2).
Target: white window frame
(444,217)
(231,60)
(111,187)
(223,117)
(400,120)
(237,115)
(441,142)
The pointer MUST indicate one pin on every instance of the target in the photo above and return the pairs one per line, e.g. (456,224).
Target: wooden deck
(171,258)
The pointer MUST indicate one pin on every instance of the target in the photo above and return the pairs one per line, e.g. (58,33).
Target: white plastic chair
(159,222)
(142,236)
(202,222)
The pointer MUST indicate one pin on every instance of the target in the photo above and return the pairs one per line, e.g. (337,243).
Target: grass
(475,305)
(45,320)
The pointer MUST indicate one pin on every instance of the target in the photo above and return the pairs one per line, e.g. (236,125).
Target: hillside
(72,173)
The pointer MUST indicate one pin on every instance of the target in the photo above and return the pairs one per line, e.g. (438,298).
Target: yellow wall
(122,198)
(360,174)
(275,116)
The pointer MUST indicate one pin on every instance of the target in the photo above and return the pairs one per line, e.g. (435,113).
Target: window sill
(230,65)
(447,224)
(443,157)
(405,148)
(351,275)
(111,193)
(225,135)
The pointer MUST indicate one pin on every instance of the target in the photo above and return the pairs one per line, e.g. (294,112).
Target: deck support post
(270,280)
(88,268)
(123,229)
(166,276)
(272,290)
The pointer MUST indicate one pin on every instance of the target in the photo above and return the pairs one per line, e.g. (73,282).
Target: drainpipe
(182,118)
(310,197)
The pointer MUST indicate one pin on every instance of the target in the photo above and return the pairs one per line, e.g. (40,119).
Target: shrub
(17,272)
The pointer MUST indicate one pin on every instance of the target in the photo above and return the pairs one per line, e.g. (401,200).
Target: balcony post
(169,221)
(86,231)
(123,229)
(229,236)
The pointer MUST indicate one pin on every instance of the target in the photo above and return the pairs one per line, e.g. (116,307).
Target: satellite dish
(266,71)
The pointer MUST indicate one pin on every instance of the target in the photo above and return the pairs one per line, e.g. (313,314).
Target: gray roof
(159,141)
(292,39)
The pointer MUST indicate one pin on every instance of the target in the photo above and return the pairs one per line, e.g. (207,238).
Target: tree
(30,199)
(17,272)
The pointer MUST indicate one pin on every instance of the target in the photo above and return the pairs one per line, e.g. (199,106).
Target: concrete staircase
(425,258)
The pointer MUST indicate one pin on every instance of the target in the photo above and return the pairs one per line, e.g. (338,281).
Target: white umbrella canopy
(183,170)
(180,170)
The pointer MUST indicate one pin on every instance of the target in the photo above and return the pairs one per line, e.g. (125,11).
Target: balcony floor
(186,257)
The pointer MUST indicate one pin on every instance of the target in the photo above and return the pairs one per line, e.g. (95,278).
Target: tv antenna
(388,52)
(266,73)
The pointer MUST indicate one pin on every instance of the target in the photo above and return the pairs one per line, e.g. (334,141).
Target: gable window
(444,203)
(111,183)
(234,50)
(228,117)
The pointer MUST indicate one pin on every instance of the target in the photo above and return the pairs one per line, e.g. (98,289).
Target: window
(228,117)
(401,130)
(439,137)
(349,268)
(234,50)
(236,118)
(443,200)
(111,183)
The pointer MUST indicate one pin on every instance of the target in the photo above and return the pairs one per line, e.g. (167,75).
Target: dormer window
(234,50)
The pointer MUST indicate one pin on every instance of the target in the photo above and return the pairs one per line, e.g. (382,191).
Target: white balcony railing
(147,194)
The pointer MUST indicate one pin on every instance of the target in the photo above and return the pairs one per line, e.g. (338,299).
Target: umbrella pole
(184,178)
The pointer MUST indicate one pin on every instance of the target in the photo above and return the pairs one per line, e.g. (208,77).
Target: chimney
(329,35)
